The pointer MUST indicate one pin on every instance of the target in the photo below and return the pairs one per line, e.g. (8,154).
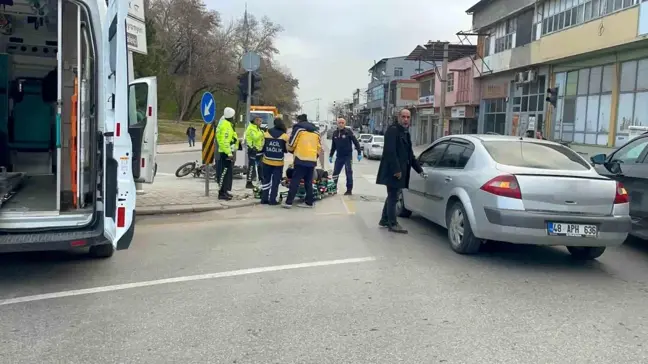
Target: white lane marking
(233,273)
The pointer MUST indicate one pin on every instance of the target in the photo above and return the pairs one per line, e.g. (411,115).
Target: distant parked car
(373,148)
(629,165)
(363,138)
(523,191)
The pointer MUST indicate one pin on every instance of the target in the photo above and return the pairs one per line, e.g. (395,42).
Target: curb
(186,209)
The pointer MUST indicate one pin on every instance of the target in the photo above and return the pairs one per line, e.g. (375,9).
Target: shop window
(608,76)
(569,110)
(641,109)
(591,120)
(628,76)
(603,127)
(633,100)
(579,120)
(642,75)
(583,81)
(572,83)
(624,112)
(595,80)
(495,116)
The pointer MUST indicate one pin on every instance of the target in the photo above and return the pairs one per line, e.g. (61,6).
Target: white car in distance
(373,147)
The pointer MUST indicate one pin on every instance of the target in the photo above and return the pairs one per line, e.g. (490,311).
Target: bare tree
(193,52)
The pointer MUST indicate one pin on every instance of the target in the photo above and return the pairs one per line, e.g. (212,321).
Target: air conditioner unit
(531,76)
(520,77)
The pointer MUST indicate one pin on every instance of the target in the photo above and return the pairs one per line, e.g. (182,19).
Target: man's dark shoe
(397,229)
(249,184)
(348,193)
(225,197)
(383,223)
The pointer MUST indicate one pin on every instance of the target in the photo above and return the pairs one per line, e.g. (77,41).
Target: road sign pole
(248,104)
(208,113)
(251,62)
(206,169)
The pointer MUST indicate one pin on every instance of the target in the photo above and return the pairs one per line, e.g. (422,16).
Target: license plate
(567,229)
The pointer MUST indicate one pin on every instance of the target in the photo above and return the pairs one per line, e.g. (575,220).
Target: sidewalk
(178,148)
(172,195)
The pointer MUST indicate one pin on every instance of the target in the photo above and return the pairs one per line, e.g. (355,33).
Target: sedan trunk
(566,194)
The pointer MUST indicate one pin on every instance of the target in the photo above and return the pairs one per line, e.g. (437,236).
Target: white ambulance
(75,136)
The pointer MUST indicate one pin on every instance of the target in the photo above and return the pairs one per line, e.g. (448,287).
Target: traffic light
(256,82)
(552,97)
(243,86)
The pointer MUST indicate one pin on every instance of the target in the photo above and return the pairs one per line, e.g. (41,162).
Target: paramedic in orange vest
(305,145)
(274,150)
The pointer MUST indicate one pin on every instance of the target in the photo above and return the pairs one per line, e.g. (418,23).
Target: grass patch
(172,132)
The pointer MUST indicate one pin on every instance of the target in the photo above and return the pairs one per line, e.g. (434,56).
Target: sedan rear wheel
(586,252)
(460,233)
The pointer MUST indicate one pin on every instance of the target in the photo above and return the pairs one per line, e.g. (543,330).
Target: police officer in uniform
(254,139)
(343,142)
(274,150)
(227,146)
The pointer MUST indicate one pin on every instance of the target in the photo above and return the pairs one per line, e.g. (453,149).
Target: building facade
(593,51)
(382,85)
(462,102)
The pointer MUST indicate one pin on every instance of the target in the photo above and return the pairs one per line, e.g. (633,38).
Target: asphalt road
(268,285)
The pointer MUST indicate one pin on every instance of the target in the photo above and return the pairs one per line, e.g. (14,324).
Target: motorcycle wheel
(185,169)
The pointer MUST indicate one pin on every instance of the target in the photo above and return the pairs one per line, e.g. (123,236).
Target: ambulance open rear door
(118,185)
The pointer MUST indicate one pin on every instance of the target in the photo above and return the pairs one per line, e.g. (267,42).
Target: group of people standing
(266,157)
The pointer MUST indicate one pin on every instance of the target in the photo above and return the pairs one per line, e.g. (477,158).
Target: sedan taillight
(504,185)
(621,194)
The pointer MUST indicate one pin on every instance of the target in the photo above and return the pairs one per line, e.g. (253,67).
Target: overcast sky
(330,44)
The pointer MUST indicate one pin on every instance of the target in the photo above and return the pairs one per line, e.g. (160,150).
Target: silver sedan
(517,190)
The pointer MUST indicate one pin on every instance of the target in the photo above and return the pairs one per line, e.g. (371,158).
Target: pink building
(462,102)
(462,97)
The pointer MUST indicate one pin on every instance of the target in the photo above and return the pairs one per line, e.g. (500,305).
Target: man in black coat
(394,171)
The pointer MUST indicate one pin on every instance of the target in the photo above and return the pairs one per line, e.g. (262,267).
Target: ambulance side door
(143,127)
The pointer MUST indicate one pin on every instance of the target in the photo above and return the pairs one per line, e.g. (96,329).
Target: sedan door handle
(448,179)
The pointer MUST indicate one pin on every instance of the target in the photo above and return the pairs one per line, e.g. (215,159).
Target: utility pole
(444,89)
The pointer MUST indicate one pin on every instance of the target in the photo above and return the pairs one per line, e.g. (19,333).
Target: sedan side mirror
(598,159)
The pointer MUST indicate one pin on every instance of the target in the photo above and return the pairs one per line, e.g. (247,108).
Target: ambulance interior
(46,166)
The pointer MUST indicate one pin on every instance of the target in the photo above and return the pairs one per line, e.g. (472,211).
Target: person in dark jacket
(274,149)
(342,143)
(394,170)
(191,135)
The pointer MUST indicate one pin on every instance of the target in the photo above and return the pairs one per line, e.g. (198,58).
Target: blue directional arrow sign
(208,107)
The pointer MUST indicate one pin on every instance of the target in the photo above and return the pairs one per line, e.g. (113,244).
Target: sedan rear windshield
(378,139)
(365,137)
(535,155)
